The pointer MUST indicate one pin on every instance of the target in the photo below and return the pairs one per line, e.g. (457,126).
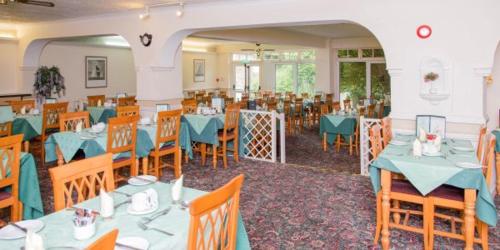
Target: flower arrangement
(430,77)
(48,81)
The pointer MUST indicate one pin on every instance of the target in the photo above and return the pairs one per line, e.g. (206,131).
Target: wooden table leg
(386,192)
(60,158)
(203,148)
(469,213)
(145,162)
(324,141)
(27,146)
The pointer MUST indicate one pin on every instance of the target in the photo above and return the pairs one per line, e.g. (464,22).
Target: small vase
(433,90)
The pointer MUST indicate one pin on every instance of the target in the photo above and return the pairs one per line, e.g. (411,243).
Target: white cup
(85,232)
(141,202)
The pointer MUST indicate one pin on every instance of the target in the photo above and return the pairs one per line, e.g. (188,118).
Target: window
(296,77)
(308,55)
(289,56)
(352,81)
(285,77)
(271,56)
(347,53)
(306,78)
(245,57)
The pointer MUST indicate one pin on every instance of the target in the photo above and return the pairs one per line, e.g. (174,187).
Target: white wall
(8,66)
(210,70)
(493,93)
(70,59)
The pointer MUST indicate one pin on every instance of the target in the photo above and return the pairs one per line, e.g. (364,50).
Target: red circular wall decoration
(424,31)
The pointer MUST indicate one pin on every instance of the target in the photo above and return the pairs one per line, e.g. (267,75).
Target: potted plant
(48,82)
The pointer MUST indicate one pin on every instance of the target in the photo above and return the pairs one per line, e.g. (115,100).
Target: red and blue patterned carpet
(315,201)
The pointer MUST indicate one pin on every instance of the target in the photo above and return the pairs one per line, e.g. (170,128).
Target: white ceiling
(341,30)
(18,13)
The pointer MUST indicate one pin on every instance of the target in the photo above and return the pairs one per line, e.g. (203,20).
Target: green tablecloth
(184,138)
(6,114)
(496,133)
(333,125)
(29,188)
(58,230)
(101,114)
(387,110)
(71,142)
(29,125)
(428,173)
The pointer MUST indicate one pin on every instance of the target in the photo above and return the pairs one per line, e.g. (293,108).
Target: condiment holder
(84,225)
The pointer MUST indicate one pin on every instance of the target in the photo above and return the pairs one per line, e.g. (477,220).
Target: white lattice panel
(260,133)
(366,152)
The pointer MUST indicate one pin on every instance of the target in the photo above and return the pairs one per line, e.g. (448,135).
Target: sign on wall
(96,72)
(198,70)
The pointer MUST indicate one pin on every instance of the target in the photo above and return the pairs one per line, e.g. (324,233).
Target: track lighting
(180,10)
(145,15)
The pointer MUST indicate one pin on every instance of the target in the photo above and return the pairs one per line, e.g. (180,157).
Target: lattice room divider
(366,151)
(260,135)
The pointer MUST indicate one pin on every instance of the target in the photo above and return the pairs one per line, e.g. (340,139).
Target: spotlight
(180,10)
(144,15)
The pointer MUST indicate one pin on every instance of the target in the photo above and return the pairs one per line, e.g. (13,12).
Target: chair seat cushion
(403,186)
(4,195)
(448,192)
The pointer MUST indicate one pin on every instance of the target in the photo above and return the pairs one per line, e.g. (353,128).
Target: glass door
(352,81)
(380,81)
(246,78)
(285,78)
(254,78)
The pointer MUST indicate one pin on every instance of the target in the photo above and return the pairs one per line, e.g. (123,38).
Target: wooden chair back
(371,110)
(329,97)
(232,120)
(381,108)
(480,142)
(298,106)
(243,104)
(336,106)
(122,135)
(51,115)
(128,111)
(93,100)
(201,92)
(106,242)
(223,93)
(489,161)
(127,101)
(287,109)
(375,141)
(347,104)
(80,180)
(324,109)
(214,218)
(199,97)
(305,95)
(386,131)
(18,105)
(69,121)
(228,101)
(190,94)
(271,105)
(317,101)
(10,155)
(189,106)
(362,110)
(168,130)
(5,129)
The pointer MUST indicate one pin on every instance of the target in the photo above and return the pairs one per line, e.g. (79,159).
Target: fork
(149,219)
(145,227)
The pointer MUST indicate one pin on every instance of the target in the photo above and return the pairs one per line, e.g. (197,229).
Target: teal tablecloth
(6,114)
(29,125)
(387,111)
(184,138)
(428,173)
(58,230)
(71,142)
(29,188)
(496,133)
(333,125)
(101,114)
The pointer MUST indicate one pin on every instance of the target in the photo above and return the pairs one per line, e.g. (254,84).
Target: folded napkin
(99,127)
(417,148)
(437,142)
(423,135)
(33,241)
(177,189)
(107,204)
(23,110)
(79,127)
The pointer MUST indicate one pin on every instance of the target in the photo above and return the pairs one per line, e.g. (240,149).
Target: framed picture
(198,70)
(96,72)
(431,124)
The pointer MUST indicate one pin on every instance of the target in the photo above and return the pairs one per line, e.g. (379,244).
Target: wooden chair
(106,242)
(50,121)
(214,218)
(128,111)
(122,137)
(190,94)
(316,110)
(324,109)
(126,101)
(329,102)
(336,106)
(10,152)
(93,100)
(5,129)
(362,111)
(167,142)
(199,97)
(347,104)
(450,197)
(69,121)
(371,111)
(386,131)
(287,111)
(223,93)
(189,106)
(400,190)
(271,105)
(480,142)
(228,101)
(381,108)
(298,118)
(305,95)
(229,133)
(18,105)
(80,180)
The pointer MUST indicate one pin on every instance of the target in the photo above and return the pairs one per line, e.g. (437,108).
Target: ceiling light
(180,10)
(144,15)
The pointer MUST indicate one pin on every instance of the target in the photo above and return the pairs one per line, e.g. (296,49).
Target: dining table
(337,124)
(58,226)
(101,113)
(28,124)
(426,173)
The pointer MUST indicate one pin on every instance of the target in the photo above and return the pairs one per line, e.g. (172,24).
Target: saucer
(463,149)
(432,154)
(131,211)
(398,143)
(135,242)
(138,182)
(10,232)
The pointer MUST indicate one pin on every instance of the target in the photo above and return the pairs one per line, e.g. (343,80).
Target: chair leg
(484,235)
(157,165)
(14,211)
(426,223)
(224,153)
(430,223)
(338,143)
(42,157)
(214,152)
(350,145)
(324,141)
(26,146)
(396,216)
(177,164)
(186,157)
(145,164)
(378,226)
(236,153)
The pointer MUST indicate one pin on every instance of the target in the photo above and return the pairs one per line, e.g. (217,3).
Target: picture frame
(431,124)
(96,72)
(198,70)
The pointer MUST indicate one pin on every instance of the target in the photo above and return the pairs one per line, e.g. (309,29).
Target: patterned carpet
(315,201)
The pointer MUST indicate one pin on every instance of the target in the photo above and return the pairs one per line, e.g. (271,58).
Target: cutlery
(161,213)
(145,227)
(184,205)
(57,247)
(18,227)
(122,193)
(127,246)
(122,203)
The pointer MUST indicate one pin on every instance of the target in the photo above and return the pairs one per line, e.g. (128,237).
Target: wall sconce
(145,15)
(488,80)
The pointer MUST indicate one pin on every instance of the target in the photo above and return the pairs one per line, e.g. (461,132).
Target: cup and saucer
(143,202)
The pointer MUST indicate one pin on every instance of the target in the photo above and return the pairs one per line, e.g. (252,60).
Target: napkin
(417,148)
(437,142)
(153,196)
(33,241)
(177,189)
(79,127)
(23,110)
(98,127)
(99,103)
(107,204)
(423,135)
